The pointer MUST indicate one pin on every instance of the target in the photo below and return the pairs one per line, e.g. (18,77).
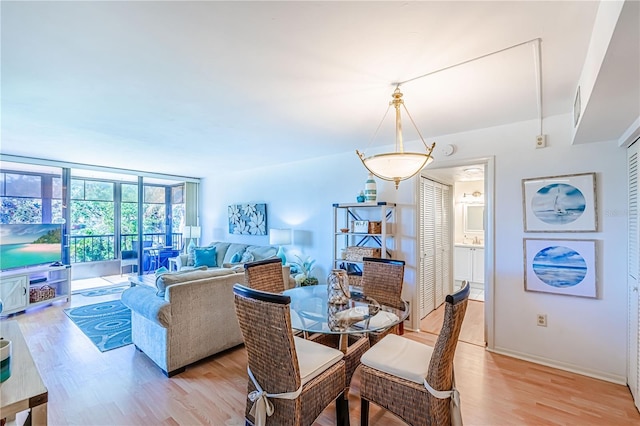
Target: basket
(38,294)
(375,227)
(355,253)
(355,280)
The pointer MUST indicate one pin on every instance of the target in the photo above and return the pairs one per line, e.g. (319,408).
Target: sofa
(227,255)
(187,316)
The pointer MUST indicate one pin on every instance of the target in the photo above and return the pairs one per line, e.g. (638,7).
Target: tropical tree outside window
(129,215)
(92,216)
(154,210)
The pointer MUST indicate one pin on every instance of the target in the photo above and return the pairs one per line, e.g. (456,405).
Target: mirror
(473,218)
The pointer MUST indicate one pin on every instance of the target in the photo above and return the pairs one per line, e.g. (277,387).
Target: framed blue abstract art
(560,203)
(560,266)
(248,219)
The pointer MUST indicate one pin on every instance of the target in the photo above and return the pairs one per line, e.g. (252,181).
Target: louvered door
(435,243)
(633,277)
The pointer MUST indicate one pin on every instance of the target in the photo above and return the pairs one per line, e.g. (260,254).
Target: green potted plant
(304,278)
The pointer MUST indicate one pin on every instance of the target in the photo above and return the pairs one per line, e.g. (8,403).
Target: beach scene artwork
(558,204)
(560,266)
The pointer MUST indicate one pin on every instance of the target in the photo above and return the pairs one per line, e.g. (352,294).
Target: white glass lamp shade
(396,166)
(279,237)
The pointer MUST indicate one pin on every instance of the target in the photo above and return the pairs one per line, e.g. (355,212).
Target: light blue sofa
(230,255)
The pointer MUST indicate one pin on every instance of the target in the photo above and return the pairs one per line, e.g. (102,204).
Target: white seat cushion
(314,358)
(400,357)
(380,320)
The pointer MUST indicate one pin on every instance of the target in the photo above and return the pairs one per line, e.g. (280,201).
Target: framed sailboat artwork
(564,203)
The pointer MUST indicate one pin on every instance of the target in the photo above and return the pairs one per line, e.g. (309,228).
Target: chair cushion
(400,357)
(205,256)
(314,358)
(380,320)
(261,252)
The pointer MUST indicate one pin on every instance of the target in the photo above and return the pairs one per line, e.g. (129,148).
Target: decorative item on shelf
(361,197)
(39,294)
(280,237)
(370,191)
(360,226)
(304,267)
(338,287)
(398,165)
(344,230)
(356,253)
(374,227)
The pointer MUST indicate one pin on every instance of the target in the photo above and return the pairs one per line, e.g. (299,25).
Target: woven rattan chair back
(409,400)
(271,354)
(265,275)
(440,374)
(265,323)
(382,280)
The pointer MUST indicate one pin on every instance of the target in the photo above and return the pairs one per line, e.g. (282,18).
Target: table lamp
(280,237)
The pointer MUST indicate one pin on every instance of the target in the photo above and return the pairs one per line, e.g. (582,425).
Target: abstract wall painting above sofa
(560,266)
(248,219)
(560,203)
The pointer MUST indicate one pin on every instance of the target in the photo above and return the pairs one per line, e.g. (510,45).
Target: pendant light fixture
(398,165)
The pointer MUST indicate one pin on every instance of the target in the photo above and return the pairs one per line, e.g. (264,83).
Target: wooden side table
(24,389)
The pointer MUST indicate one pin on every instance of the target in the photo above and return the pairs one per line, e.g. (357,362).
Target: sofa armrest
(143,301)
(181,261)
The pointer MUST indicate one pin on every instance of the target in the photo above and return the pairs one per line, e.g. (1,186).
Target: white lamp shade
(186,231)
(279,237)
(397,166)
(195,232)
(191,232)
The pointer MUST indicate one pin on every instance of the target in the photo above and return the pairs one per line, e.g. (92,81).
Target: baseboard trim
(601,375)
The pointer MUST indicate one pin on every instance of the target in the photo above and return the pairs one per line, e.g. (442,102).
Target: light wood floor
(123,387)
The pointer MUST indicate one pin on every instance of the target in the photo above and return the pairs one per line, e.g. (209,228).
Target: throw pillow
(205,257)
(236,258)
(247,257)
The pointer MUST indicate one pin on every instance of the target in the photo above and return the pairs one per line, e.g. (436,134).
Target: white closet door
(633,367)
(435,241)
(427,232)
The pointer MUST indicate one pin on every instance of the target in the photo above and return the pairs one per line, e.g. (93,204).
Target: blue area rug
(107,324)
(104,291)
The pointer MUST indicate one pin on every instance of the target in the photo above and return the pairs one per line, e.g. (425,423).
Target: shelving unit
(343,217)
(15,286)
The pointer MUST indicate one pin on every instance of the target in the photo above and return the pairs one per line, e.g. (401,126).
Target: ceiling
(185,87)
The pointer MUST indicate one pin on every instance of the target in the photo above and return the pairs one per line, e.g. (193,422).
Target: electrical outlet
(541,141)
(541,320)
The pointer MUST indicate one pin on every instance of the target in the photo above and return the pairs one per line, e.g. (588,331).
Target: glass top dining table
(311,312)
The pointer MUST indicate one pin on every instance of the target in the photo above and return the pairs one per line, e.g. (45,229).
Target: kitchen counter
(469,245)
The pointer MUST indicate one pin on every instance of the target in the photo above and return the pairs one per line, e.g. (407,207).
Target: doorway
(471,233)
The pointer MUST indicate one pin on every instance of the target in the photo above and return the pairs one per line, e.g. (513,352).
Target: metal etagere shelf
(343,217)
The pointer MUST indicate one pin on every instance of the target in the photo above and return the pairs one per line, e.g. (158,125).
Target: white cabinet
(468,264)
(344,218)
(15,286)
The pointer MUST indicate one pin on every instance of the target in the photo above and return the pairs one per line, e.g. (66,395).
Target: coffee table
(148,280)
(24,389)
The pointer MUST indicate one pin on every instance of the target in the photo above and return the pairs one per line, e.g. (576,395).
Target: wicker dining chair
(382,281)
(396,372)
(265,275)
(296,377)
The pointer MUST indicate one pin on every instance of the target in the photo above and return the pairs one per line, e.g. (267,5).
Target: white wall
(583,335)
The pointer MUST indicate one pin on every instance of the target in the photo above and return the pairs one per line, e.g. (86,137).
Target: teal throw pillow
(236,258)
(205,257)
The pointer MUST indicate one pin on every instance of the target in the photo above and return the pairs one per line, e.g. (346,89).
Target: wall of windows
(102,214)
